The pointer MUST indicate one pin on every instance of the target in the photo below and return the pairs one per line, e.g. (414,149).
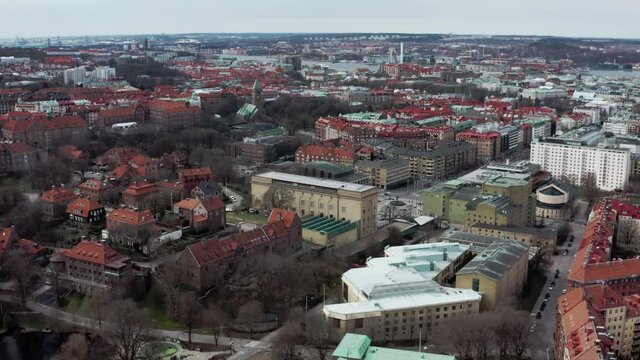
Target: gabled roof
(18,148)
(132,217)
(84,206)
(205,170)
(97,253)
(280,214)
(57,194)
(94,184)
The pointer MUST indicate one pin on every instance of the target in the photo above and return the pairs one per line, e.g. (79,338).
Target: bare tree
(590,187)
(277,198)
(286,343)
(215,320)
(318,333)
(249,314)
(169,276)
(541,257)
(511,334)
(75,348)
(20,267)
(190,312)
(97,303)
(627,233)
(126,330)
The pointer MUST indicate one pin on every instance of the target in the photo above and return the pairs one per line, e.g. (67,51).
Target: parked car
(547,295)
(254,211)
(538,315)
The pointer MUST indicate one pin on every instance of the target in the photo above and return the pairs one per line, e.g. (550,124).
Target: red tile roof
(280,214)
(196,171)
(139,189)
(94,184)
(97,253)
(132,217)
(82,207)
(18,148)
(58,194)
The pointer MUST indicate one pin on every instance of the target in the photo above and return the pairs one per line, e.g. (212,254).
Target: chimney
(445,255)
(432,266)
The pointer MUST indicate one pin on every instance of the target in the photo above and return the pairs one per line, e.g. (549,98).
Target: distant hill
(553,49)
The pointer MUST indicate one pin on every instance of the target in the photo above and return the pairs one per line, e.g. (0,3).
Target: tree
(215,320)
(20,267)
(10,198)
(75,348)
(318,332)
(540,257)
(249,314)
(169,275)
(97,302)
(190,312)
(126,330)
(26,216)
(288,339)
(627,233)
(590,187)
(279,198)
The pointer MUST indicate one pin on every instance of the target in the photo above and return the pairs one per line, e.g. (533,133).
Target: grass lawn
(160,349)
(76,304)
(246,217)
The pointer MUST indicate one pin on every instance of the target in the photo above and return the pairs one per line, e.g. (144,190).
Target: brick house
(94,189)
(109,117)
(117,156)
(16,157)
(9,240)
(192,177)
(53,203)
(206,264)
(86,211)
(130,227)
(138,193)
(91,266)
(172,115)
(39,131)
(174,191)
(202,214)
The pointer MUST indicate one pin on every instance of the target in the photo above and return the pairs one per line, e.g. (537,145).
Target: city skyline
(499,17)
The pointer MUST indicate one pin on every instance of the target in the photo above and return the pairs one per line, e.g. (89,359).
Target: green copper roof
(358,347)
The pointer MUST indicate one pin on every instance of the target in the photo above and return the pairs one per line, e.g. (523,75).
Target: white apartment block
(574,161)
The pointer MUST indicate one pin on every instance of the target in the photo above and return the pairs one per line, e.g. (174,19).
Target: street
(542,337)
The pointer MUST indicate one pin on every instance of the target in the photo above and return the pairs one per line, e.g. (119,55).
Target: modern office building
(311,196)
(385,174)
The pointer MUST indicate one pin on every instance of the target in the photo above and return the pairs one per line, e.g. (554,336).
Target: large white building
(398,296)
(574,161)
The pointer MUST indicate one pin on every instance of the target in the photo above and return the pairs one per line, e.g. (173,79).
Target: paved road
(542,338)
(234,205)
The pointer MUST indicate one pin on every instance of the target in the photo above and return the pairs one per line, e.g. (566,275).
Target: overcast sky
(596,18)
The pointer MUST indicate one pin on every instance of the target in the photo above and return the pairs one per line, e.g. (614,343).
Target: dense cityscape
(319,196)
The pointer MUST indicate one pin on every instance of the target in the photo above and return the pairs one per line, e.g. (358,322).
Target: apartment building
(487,145)
(385,174)
(398,296)
(172,116)
(312,196)
(439,163)
(543,238)
(574,161)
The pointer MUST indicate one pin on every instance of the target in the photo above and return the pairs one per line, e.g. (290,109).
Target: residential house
(19,156)
(94,189)
(202,214)
(130,227)
(85,210)
(206,190)
(192,177)
(53,203)
(207,263)
(138,194)
(92,266)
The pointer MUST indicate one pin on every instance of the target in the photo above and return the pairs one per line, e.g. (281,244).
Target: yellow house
(498,273)
(328,198)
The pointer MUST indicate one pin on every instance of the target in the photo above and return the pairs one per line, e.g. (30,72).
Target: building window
(475,285)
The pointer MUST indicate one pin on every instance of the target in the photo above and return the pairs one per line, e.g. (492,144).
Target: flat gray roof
(311,181)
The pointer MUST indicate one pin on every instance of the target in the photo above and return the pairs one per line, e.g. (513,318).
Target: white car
(233,198)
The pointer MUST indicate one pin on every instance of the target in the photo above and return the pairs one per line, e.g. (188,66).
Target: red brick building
(209,262)
(172,115)
(91,266)
(329,153)
(202,214)
(487,144)
(192,177)
(109,117)
(39,131)
(117,156)
(53,203)
(130,227)
(138,194)
(94,189)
